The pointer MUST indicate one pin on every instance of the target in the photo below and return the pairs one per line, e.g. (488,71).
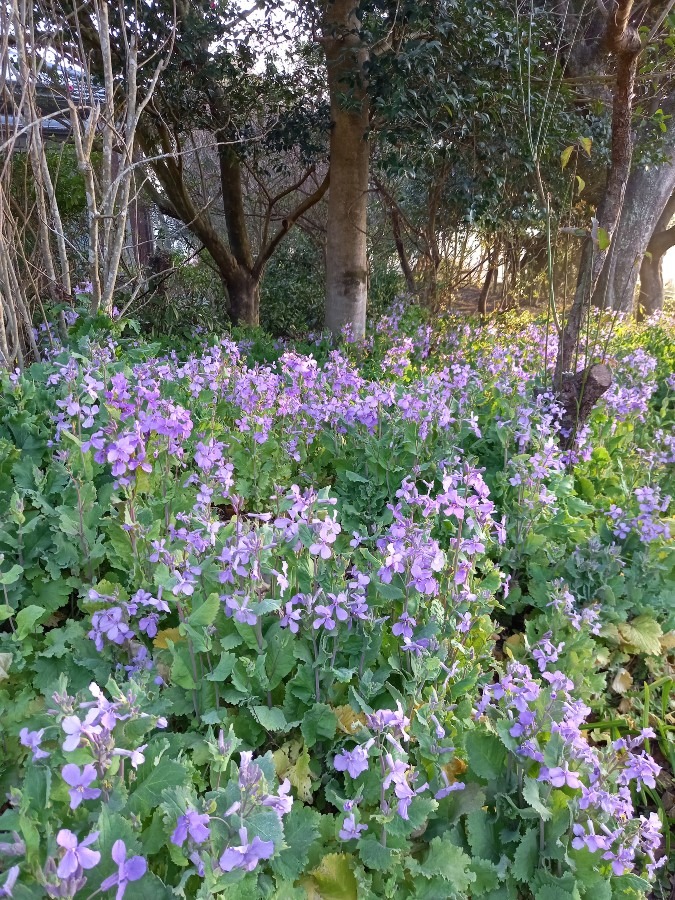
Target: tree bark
(651,271)
(622,40)
(648,191)
(400,250)
(485,290)
(346,250)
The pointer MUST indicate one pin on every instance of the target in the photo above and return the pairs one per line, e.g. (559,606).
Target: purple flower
(192,824)
(76,730)
(355,761)
(281,802)
(77,855)
(79,783)
(127,870)
(350,830)
(404,626)
(559,776)
(32,740)
(10,881)
(246,856)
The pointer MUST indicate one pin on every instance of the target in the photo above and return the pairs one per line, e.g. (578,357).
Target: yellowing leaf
(581,184)
(168,634)
(333,879)
(622,681)
(349,721)
(642,635)
(566,154)
(603,239)
(300,777)
(586,143)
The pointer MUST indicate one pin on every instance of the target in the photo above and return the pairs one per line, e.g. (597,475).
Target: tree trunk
(243,291)
(485,290)
(647,194)
(400,249)
(346,251)
(623,41)
(651,287)
(651,271)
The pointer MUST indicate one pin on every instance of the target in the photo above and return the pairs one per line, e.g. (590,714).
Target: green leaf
(205,614)
(581,184)
(26,619)
(480,834)
(224,668)
(487,875)
(354,476)
(532,796)
(486,754)
(449,862)
(586,143)
(388,591)
(180,673)
(553,892)
(318,723)
(526,856)
(153,781)
(374,855)
(270,719)
(301,830)
(12,575)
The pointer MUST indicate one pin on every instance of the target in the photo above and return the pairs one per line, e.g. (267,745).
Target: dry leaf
(622,681)
(349,721)
(169,634)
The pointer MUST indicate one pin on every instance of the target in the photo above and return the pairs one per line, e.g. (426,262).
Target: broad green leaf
(581,184)
(449,862)
(586,143)
(224,668)
(205,614)
(318,723)
(271,719)
(301,830)
(374,854)
(26,619)
(526,856)
(152,781)
(532,796)
(486,754)
(12,575)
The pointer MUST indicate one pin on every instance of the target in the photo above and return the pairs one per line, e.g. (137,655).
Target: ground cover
(336,621)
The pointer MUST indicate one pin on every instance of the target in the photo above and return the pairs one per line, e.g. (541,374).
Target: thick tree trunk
(648,192)
(651,287)
(623,42)
(651,271)
(243,291)
(346,251)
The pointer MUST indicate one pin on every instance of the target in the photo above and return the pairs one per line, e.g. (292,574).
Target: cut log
(578,395)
